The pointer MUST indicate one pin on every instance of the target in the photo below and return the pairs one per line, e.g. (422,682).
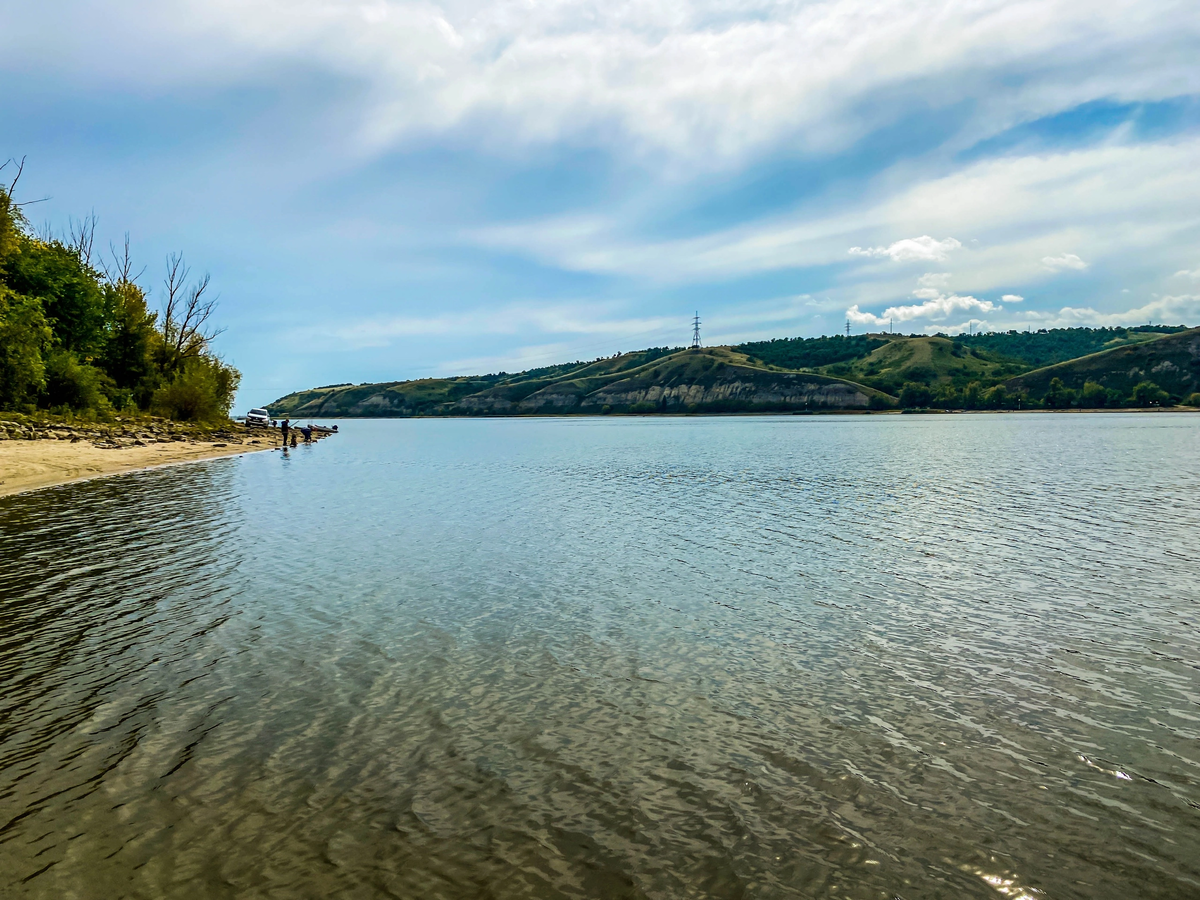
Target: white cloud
(922,248)
(1025,208)
(1184,273)
(971,325)
(937,307)
(1177,309)
(519,360)
(934,279)
(707,80)
(1066,261)
(1012,298)
(577,319)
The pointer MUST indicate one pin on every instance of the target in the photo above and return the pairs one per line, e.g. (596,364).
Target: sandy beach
(29,465)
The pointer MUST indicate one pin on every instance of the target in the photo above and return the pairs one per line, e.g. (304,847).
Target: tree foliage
(811,353)
(1049,346)
(79,334)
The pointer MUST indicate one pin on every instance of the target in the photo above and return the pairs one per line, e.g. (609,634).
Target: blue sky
(391,190)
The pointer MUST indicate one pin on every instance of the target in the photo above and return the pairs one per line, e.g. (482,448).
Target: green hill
(1171,362)
(927,361)
(875,371)
(1047,347)
(716,379)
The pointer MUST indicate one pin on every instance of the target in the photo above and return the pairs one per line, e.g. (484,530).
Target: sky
(393,190)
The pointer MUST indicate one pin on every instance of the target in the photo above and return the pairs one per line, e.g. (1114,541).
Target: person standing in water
(283,427)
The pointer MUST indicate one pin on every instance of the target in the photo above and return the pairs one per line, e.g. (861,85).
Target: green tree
(71,383)
(914,395)
(996,397)
(947,397)
(68,288)
(1059,396)
(972,395)
(1147,393)
(130,338)
(200,391)
(1093,395)
(1193,400)
(24,336)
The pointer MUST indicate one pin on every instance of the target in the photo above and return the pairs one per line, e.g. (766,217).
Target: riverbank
(42,451)
(29,465)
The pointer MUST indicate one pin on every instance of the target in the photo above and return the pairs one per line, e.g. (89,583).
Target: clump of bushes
(77,335)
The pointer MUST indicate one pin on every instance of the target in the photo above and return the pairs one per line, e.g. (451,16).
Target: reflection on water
(925,657)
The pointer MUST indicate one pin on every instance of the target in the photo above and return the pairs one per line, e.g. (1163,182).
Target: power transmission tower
(696,331)
(847,328)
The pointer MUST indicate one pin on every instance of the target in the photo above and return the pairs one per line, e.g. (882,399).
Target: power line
(696,331)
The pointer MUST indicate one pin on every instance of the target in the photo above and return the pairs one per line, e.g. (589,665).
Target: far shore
(32,465)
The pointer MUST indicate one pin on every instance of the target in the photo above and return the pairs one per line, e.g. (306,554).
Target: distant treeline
(1032,348)
(76,333)
(811,353)
(1049,346)
(1092,395)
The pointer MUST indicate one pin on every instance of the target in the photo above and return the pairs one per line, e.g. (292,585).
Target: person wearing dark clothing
(284,428)
(307,432)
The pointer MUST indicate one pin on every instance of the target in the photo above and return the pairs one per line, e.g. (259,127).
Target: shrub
(995,398)
(24,334)
(1058,396)
(878,401)
(1193,400)
(914,395)
(202,392)
(1093,395)
(71,383)
(1147,393)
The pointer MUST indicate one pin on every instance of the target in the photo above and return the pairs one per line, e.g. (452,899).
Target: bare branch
(185,315)
(81,237)
(120,270)
(20,168)
(12,186)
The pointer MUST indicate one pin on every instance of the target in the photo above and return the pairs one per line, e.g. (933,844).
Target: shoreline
(933,411)
(34,465)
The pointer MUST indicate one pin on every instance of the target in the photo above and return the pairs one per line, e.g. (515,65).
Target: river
(798,656)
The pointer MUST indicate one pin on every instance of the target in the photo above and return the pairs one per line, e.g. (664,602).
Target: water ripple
(936,657)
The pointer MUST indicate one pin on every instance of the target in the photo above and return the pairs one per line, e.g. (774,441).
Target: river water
(864,657)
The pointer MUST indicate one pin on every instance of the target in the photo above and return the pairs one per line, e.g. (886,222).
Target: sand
(29,465)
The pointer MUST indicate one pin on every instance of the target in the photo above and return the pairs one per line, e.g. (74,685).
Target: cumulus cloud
(936,308)
(1066,261)
(1184,273)
(1175,309)
(923,248)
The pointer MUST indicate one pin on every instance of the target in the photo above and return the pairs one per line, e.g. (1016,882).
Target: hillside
(876,371)
(924,360)
(1047,347)
(1172,362)
(710,380)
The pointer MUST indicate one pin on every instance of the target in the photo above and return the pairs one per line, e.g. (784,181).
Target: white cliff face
(722,388)
(750,393)
(734,389)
